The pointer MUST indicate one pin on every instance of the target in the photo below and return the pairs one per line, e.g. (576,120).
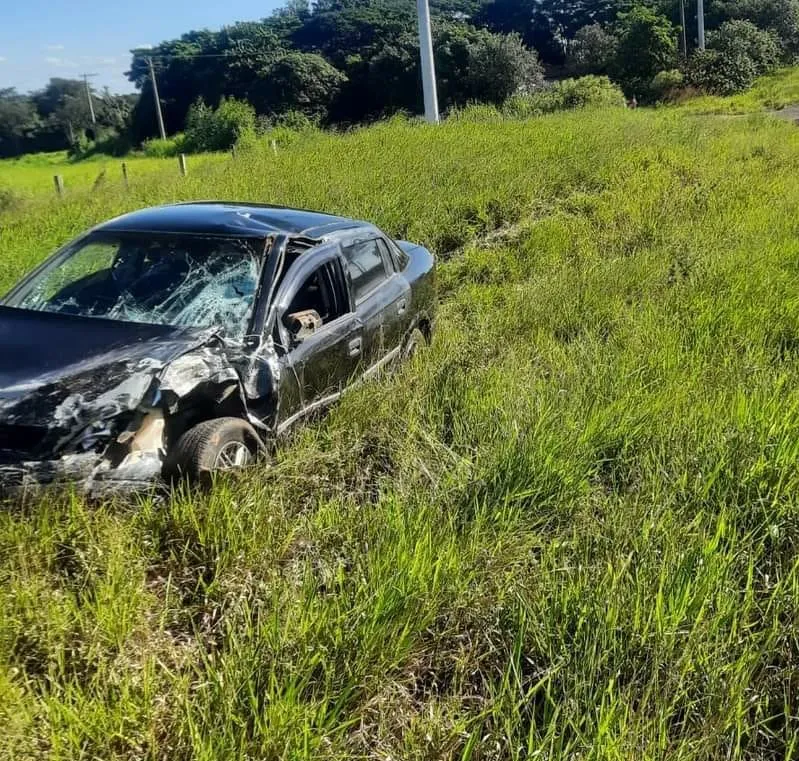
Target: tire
(226,443)
(415,342)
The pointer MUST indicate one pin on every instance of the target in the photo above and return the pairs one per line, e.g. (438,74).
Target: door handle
(355,347)
(402,306)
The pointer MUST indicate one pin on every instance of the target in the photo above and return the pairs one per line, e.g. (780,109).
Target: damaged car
(185,339)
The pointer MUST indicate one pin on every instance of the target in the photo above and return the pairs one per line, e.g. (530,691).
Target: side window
(391,263)
(366,266)
(320,299)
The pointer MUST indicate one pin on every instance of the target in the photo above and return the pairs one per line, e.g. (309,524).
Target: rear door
(318,361)
(380,297)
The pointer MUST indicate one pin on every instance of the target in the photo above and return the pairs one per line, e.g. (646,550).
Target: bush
(9,200)
(647,45)
(476,112)
(161,149)
(476,65)
(592,51)
(566,94)
(737,53)
(742,38)
(107,143)
(209,129)
(666,84)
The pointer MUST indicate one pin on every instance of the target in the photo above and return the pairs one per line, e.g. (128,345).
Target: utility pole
(89,96)
(428,65)
(683,33)
(157,100)
(700,23)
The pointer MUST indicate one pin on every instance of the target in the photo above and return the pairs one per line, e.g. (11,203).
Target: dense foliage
(344,62)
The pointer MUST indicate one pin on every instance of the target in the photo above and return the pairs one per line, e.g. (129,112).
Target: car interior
(319,294)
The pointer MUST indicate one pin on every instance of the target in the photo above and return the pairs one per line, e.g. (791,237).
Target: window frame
(388,270)
(299,272)
(23,287)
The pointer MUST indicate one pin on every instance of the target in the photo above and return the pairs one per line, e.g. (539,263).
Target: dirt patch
(789,113)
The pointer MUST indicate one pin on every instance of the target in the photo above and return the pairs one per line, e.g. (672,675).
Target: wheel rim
(234,454)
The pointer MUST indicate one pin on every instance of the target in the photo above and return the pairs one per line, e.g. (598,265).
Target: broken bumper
(87,474)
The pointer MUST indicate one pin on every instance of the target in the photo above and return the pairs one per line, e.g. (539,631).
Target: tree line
(344,62)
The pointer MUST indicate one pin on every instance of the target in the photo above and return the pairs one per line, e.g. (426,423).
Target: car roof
(241,220)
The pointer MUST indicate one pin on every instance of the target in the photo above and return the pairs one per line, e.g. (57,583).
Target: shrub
(647,45)
(592,51)
(209,129)
(737,53)
(666,84)
(743,38)
(476,112)
(566,94)
(9,200)
(159,149)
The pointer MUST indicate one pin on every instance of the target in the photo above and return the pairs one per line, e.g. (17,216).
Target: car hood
(58,371)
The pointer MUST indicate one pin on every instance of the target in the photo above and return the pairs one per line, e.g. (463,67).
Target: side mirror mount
(302,324)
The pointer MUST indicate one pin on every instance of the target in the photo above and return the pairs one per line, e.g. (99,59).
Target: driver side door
(318,361)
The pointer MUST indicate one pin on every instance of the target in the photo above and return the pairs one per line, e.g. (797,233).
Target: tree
(736,54)
(742,39)
(478,65)
(592,51)
(18,119)
(647,45)
(296,81)
(780,17)
(209,129)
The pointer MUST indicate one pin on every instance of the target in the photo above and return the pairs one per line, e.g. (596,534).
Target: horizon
(43,42)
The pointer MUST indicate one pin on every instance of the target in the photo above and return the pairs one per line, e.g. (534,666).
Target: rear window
(366,266)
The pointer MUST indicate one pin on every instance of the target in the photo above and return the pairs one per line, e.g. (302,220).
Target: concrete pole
(428,65)
(700,23)
(160,116)
(683,30)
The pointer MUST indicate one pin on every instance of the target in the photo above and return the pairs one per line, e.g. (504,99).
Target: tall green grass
(567,530)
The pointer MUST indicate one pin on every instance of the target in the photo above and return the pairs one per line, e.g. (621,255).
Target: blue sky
(56,38)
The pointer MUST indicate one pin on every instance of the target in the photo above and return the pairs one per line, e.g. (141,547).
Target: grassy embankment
(569,529)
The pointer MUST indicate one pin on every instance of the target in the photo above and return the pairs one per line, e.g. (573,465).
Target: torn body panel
(99,404)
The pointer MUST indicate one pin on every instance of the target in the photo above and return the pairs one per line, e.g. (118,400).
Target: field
(32,176)
(568,529)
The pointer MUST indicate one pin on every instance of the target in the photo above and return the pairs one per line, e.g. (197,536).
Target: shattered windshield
(179,280)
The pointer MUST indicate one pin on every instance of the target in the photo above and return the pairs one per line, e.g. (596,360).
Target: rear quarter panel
(420,272)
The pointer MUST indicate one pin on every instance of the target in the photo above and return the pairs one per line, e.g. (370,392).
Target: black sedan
(184,339)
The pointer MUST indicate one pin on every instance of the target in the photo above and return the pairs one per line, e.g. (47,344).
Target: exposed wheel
(220,444)
(415,341)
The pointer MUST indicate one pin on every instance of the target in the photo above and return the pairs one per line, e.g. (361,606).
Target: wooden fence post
(125,174)
(182,163)
(59,184)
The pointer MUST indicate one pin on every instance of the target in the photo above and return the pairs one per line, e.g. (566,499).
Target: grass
(772,92)
(568,529)
(31,176)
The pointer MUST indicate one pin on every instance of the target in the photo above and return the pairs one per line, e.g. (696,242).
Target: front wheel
(415,342)
(213,446)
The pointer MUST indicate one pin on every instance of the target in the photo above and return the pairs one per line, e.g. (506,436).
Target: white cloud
(61,63)
(3,58)
(93,60)
(53,47)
